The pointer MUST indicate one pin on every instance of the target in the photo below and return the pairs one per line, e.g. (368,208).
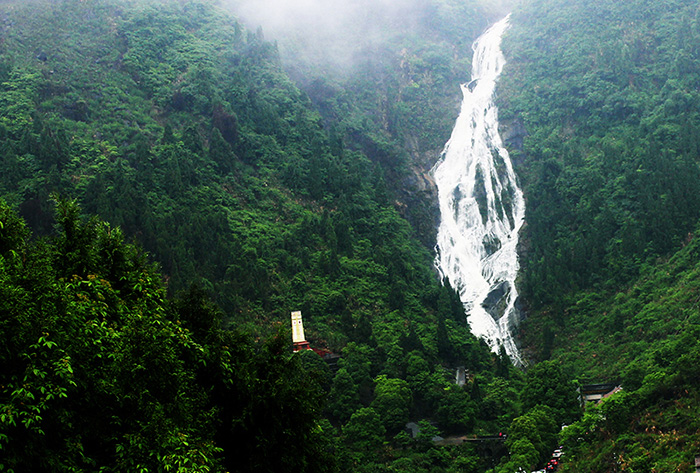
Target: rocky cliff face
(513,133)
(418,198)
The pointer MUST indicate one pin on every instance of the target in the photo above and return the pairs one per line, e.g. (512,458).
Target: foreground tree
(99,371)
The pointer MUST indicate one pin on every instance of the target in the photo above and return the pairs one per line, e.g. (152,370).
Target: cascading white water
(482,208)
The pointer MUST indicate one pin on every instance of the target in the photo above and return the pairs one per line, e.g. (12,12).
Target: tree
(13,231)
(344,398)
(392,401)
(364,433)
(456,411)
(533,436)
(98,377)
(547,384)
(356,360)
(99,370)
(221,153)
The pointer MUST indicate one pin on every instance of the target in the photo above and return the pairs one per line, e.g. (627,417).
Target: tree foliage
(100,371)
(181,128)
(610,160)
(603,98)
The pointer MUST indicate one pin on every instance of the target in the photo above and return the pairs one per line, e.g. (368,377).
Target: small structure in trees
(594,393)
(300,343)
(298,338)
(461,377)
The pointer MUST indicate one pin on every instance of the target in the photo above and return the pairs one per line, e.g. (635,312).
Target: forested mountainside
(609,96)
(250,184)
(384,76)
(101,372)
(179,126)
(604,100)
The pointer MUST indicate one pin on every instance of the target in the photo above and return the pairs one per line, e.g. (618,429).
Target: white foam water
(481,205)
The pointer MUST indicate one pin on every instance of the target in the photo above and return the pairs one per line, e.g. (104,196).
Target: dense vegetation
(179,127)
(271,185)
(99,372)
(608,93)
(386,81)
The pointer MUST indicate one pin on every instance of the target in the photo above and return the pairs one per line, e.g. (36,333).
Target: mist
(335,35)
(330,34)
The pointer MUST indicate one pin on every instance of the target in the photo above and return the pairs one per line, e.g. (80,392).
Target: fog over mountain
(333,31)
(340,33)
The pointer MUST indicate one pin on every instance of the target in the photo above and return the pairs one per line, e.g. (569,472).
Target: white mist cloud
(284,15)
(333,31)
(334,34)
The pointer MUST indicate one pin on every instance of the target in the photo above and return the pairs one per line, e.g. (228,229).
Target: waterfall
(481,205)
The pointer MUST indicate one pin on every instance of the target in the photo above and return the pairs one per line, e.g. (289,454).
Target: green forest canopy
(182,128)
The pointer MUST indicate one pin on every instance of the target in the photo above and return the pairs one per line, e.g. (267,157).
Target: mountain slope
(608,94)
(98,370)
(179,125)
